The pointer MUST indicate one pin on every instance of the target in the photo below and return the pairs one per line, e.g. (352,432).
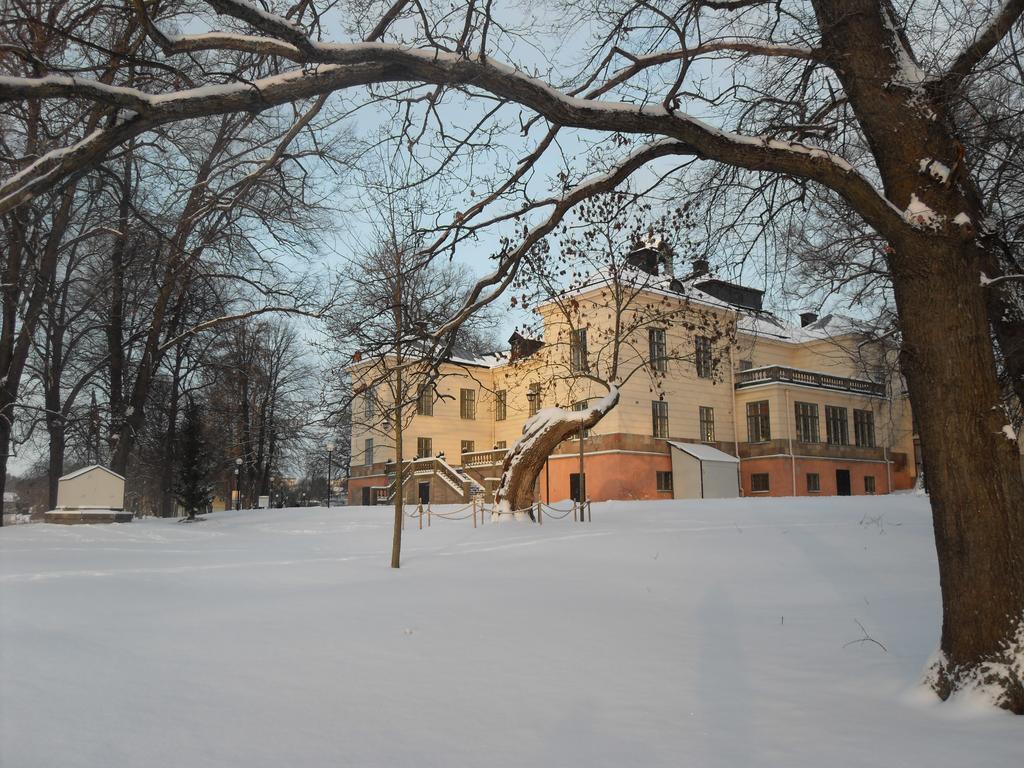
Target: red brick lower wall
(626,476)
(780,475)
(608,476)
(356,485)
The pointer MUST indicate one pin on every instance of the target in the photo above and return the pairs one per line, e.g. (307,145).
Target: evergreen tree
(193,489)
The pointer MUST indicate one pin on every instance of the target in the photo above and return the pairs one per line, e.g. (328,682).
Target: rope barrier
(448,516)
(538,510)
(565,512)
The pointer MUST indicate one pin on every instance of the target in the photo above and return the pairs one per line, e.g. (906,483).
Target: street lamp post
(238,485)
(330,450)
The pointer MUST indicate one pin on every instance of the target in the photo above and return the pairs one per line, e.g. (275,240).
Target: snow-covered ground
(662,634)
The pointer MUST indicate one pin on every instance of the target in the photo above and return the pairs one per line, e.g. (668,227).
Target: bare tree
(792,66)
(606,281)
(391,297)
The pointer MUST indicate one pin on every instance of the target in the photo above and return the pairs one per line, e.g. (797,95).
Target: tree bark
(396,536)
(972,465)
(973,468)
(541,435)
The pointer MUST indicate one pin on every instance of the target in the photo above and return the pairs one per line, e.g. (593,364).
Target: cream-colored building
(815,409)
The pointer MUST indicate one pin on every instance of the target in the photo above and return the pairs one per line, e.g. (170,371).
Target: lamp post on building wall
(238,484)
(330,450)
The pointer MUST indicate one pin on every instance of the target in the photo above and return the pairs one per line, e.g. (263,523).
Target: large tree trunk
(1006,314)
(55,459)
(541,435)
(973,465)
(6,421)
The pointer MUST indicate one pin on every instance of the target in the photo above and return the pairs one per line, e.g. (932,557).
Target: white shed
(703,472)
(92,494)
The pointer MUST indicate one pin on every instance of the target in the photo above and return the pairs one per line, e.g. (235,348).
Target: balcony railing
(414,467)
(780,373)
(484,458)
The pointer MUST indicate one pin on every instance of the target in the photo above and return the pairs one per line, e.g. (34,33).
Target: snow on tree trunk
(541,435)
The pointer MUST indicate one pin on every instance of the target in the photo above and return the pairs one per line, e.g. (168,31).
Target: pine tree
(192,489)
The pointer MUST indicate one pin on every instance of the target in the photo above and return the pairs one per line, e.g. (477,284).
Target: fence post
(474,513)
(590,517)
(421,515)
(428,515)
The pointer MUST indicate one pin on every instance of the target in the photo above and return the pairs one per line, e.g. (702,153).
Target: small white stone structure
(92,494)
(702,471)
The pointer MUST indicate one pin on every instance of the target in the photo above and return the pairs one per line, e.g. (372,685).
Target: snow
(100,511)
(908,73)
(704,452)
(919,215)
(722,631)
(1009,432)
(937,170)
(90,468)
(831,326)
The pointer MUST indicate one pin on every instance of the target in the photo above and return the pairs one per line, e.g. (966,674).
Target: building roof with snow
(703,452)
(90,468)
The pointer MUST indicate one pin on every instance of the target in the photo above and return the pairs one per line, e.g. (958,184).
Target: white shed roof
(703,452)
(90,468)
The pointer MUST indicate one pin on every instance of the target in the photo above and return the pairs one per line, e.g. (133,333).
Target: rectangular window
(864,428)
(659,418)
(746,365)
(813,482)
(806,422)
(533,399)
(368,404)
(758,423)
(424,447)
(759,482)
(467,403)
(468,446)
(368,451)
(500,445)
(703,357)
(869,484)
(580,405)
(500,404)
(664,481)
(707,424)
(836,425)
(578,350)
(425,401)
(657,349)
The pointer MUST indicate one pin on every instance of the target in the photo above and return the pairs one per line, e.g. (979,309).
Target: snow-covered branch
(343,66)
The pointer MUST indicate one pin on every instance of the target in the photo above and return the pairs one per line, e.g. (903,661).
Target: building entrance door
(424,493)
(574,486)
(843,482)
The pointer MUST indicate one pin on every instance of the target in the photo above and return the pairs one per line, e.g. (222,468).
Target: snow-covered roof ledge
(90,468)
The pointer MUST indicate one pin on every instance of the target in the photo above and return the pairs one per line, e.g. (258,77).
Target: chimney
(806,318)
(667,265)
(644,259)
(700,267)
